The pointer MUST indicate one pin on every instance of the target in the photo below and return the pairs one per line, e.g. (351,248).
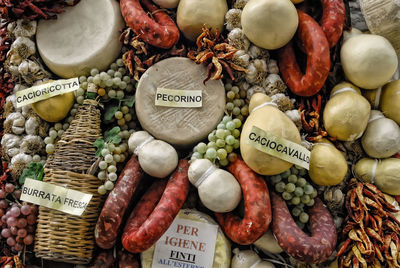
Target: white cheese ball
(368,60)
(220,191)
(269,24)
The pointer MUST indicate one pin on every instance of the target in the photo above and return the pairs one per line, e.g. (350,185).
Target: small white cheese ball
(219,191)
(157,158)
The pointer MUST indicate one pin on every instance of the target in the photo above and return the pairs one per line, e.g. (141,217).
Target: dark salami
(127,260)
(309,249)
(149,220)
(111,215)
(105,259)
(318,59)
(257,207)
(160,32)
(333,17)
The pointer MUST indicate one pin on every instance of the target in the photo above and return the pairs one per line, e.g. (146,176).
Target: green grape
(305,199)
(108,158)
(101,175)
(286,174)
(112,176)
(80,92)
(236,145)
(197,155)
(314,193)
(73,111)
(295,200)
(221,154)
(280,187)
(211,153)
(105,152)
(275,179)
(112,169)
(228,86)
(229,148)
(294,170)
(236,111)
(211,137)
(80,99)
(220,143)
(118,74)
(125,109)
(230,140)
(299,191)
(237,103)
(48,140)
(97,80)
(221,126)
(82,79)
(296,211)
(224,162)
(126,79)
(118,115)
(242,93)
(103,75)
(292,178)
(112,93)
(301,182)
(226,119)
(90,79)
(308,189)
(119,62)
(300,224)
(94,72)
(111,147)
(302,172)
(201,147)
(109,185)
(236,133)
(230,95)
(240,117)
(212,144)
(301,205)
(102,190)
(245,110)
(220,133)
(235,89)
(111,72)
(311,203)
(50,148)
(227,133)
(129,88)
(36,158)
(60,132)
(229,106)
(109,83)
(290,187)
(232,157)
(103,165)
(117,158)
(120,94)
(230,125)
(65,126)
(53,134)
(303,217)
(128,117)
(237,122)
(286,195)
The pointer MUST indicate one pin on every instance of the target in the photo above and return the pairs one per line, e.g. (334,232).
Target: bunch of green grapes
(235,102)
(112,154)
(297,192)
(221,142)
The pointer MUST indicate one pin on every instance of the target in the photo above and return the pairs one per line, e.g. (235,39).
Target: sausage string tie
(373,172)
(378,97)
(255,264)
(264,104)
(375,117)
(344,90)
(205,175)
(140,146)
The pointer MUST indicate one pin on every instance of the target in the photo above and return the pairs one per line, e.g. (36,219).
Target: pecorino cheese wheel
(85,36)
(179,126)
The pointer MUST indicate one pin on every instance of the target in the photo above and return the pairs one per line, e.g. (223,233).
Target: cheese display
(81,39)
(179,126)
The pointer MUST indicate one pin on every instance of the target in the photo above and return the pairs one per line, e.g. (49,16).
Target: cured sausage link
(311,250)
(161,32)
(257,207)
(149,220)
(111,215)
(333,17)
(318,59)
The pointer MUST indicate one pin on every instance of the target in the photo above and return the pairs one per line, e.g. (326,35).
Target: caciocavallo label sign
(55,197)
(178,98)
(279,147)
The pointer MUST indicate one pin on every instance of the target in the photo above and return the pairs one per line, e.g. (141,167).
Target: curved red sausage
(161,32)
(113,211)
(332,22)
(257,207)
(148,221)
(294,241)
(318,59)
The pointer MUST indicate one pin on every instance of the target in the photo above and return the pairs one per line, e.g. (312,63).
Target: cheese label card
(186,243)
(178,98)
(279,147)
(55,197)
(45,91)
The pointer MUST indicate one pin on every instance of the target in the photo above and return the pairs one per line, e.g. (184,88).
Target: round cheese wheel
(85,36)
(179,126)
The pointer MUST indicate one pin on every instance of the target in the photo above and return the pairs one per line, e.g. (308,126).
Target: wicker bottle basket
(60,236)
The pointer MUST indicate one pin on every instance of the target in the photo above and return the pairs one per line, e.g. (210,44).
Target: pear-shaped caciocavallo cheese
(84,37)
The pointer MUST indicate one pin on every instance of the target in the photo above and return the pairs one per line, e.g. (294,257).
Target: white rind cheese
(222,254)
(179,126)
(85,36)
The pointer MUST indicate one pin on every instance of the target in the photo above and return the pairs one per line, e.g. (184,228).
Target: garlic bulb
(241,58)
(25,28)
(17,130)
(19,87)
(31,144)
(244,85)
(272,67)
(273,84)
(32,126)
(27,111)
(256,52)
(305,143)
(13,122)
(232,18)
(238,39)
(253,90)
(10,141)
(23,68)
(257,71)
(240,3)
(284,102)
(23,47)
(334,198)
(11,152)
(295,116)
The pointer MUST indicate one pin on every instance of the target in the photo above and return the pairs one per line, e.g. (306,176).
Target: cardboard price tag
(279,147)
(55,197)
